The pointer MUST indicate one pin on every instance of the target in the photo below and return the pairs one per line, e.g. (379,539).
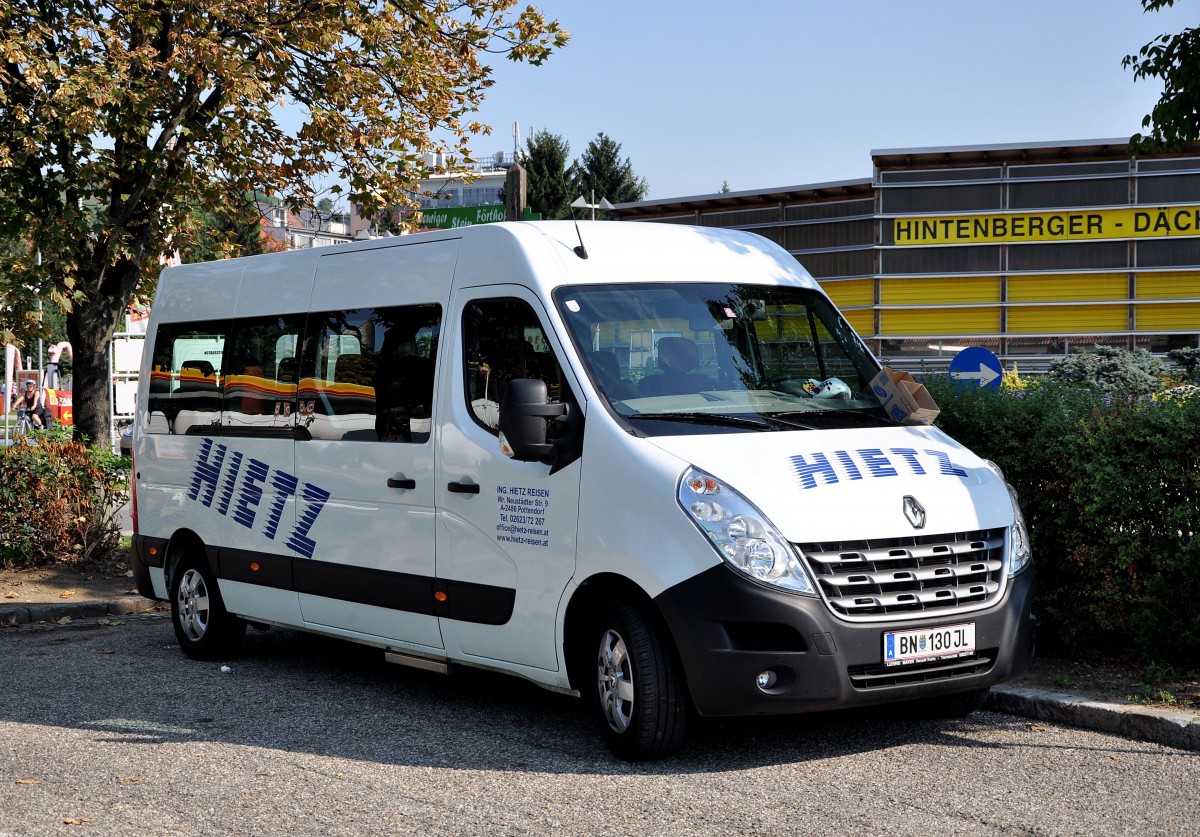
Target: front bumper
(728,629)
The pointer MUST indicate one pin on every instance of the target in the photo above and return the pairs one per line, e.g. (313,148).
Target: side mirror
(755,309)
(523,415)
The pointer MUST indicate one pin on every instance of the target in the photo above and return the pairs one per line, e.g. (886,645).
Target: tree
(548,177)
(233,230)
(122,119)
(1175,120)
(600,172)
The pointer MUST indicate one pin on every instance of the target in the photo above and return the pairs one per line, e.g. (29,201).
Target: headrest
(606,365)
(353,369)
(202,366)
(287,370)
(678,355)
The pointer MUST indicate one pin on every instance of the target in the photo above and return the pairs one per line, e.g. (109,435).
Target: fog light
(765,680)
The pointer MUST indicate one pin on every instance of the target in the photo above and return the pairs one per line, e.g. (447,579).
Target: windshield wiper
(869,418)
(706,418)
(787,420)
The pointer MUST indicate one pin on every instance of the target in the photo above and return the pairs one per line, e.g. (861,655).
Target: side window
(503,339)
(259,384)
(185,376)
(367,373)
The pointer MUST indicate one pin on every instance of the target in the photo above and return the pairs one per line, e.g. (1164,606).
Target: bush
(1110,488)
(1189,364)
(1112,370)
(57,501)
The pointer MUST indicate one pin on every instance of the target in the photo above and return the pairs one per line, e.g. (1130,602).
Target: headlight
(741,534)
(1020,555)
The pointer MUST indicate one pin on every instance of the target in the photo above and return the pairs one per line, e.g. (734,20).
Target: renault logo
(914,511)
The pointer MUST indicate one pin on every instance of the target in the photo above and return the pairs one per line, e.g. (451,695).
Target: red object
(58,402)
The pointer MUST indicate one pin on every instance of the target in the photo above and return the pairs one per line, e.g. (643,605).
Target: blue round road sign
(976,365)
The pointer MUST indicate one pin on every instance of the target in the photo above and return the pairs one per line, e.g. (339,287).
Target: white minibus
(641,463)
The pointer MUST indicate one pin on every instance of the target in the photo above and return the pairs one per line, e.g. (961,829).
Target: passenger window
(503,340)
(368,373)
(259,385)
(185,376)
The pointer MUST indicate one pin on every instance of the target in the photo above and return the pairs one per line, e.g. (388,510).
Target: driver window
(503,340)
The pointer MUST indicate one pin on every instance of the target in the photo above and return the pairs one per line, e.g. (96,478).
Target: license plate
(941,643)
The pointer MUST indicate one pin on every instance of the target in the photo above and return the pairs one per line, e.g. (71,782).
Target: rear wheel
(637,687)
(204,629)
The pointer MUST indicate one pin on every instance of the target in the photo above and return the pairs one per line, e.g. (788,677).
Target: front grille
(886,578)
(877,676)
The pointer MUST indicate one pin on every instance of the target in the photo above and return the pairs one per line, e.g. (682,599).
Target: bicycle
(24,425)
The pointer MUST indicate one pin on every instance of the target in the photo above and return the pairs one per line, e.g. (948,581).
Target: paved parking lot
(109,729)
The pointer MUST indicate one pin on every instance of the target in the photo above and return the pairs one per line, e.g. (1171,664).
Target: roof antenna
(580,203)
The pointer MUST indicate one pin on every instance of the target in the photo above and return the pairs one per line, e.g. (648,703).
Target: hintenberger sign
(1060,225)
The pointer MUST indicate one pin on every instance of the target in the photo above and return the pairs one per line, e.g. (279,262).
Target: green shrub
(57,501)
(1188,361)
(1112,370)
(1110,488)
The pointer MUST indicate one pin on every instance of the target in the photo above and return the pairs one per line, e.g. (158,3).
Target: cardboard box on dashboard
(904,400)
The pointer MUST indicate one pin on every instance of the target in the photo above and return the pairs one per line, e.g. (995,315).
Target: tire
(635,684)
(204,629)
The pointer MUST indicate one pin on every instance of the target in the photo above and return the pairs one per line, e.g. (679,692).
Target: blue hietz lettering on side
(245,495)
(840,464)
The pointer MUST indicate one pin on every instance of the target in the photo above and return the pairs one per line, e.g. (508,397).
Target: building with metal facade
(1031,250)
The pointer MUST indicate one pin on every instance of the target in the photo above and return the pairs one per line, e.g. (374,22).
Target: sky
(773,93)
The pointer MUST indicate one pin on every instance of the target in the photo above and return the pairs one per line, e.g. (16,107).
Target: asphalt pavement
(108,729)
(1172,727)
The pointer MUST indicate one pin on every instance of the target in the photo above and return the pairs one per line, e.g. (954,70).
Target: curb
(1172,727)
(28,614)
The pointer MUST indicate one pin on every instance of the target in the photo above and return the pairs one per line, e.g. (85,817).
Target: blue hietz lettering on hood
(871,462)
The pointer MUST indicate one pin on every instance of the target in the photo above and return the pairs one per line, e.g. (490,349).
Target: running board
(423,663)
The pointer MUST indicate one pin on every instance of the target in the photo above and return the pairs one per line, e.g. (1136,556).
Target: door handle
(463,487)
(401,481)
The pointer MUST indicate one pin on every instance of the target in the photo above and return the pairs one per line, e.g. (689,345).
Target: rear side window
(260,375)
(367,373)
(186,376)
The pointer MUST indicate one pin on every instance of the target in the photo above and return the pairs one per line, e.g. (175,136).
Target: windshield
(692,355)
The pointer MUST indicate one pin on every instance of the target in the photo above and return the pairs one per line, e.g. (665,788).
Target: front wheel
(204,629)
(638,690)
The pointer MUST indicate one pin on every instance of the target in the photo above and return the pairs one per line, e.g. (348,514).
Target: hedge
(1110,489)
(57,501)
